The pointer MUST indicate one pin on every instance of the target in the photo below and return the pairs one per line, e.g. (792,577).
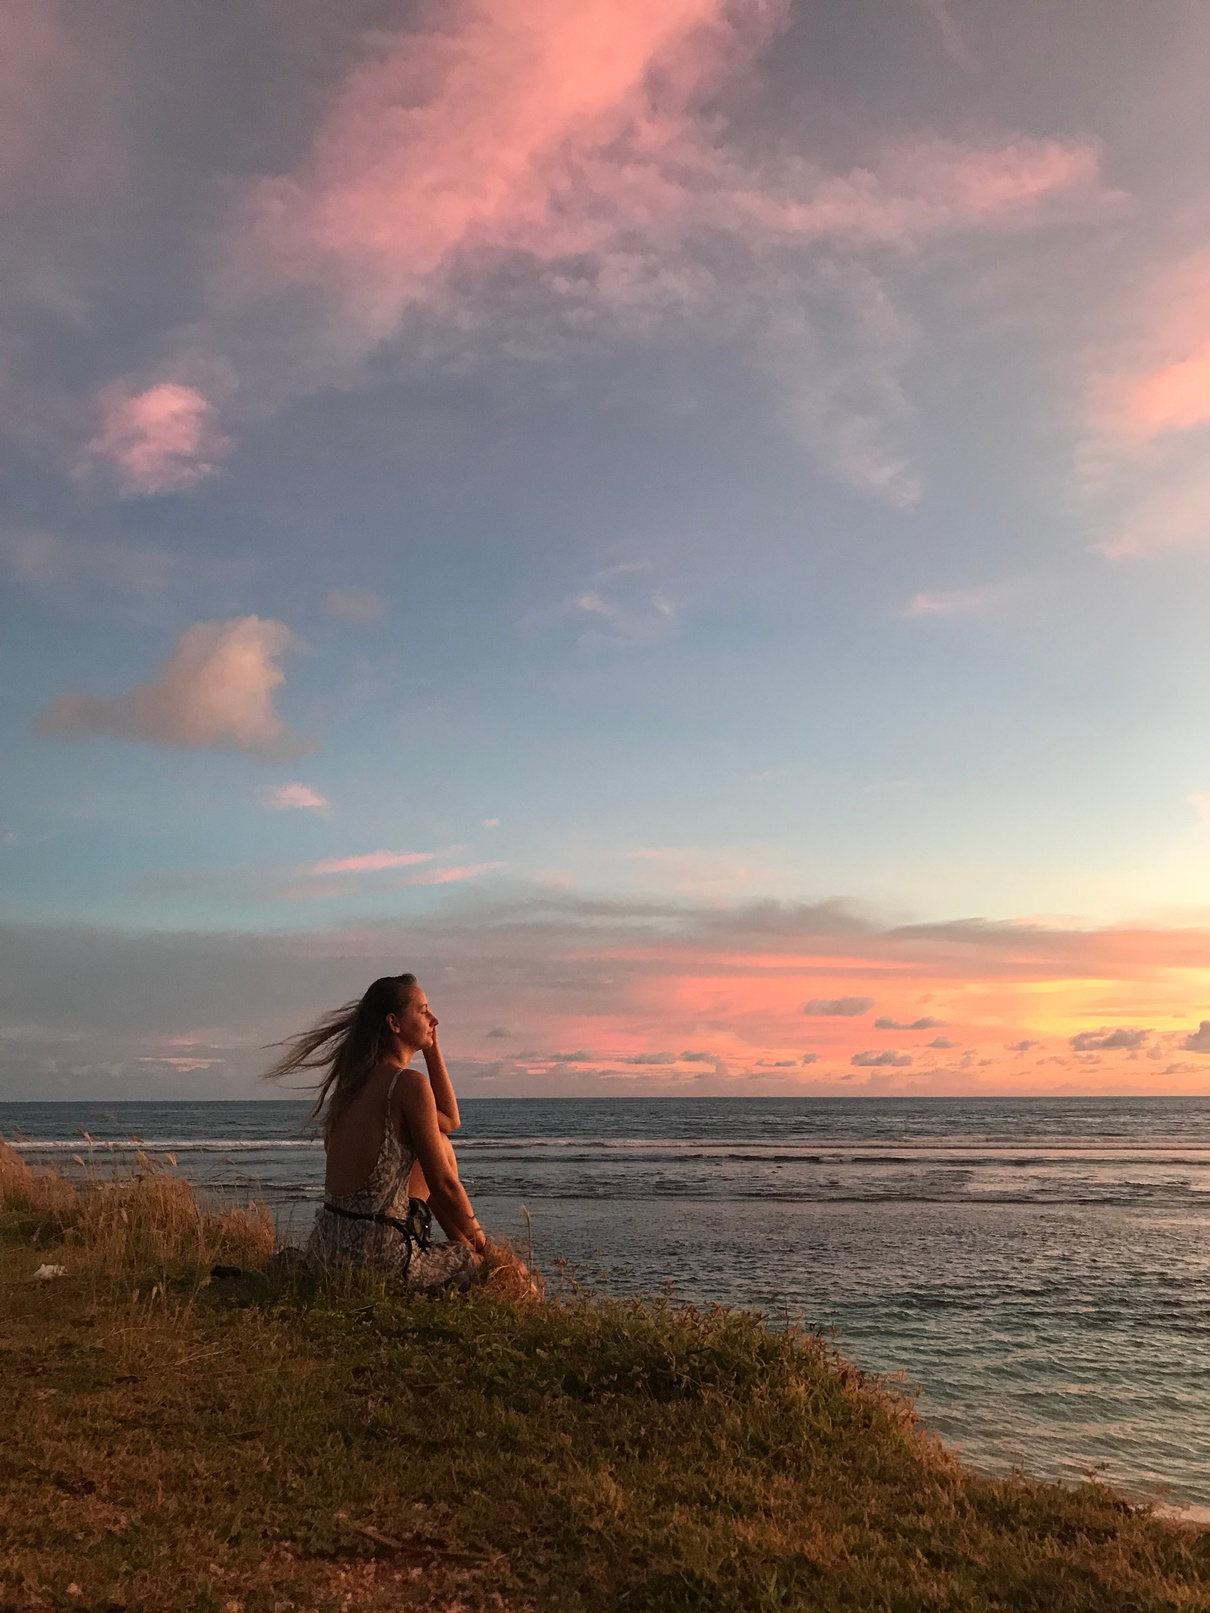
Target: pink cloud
(923,188)
(1160,382)
(215,691)
(451,876)
(163,439)
(582,145)
(510,150)
(950,602)
(1148,413)
(370,862)
(462,135)
(295,797)
(1174,397)
(528,126)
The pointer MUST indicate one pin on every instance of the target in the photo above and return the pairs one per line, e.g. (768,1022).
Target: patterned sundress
(344,1240)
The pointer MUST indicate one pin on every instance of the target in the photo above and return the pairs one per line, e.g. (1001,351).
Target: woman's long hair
(348,1043)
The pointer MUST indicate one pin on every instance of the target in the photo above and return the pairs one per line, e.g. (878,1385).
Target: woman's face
(416,1022)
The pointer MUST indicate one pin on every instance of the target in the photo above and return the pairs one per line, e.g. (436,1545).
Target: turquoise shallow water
(1039,1269)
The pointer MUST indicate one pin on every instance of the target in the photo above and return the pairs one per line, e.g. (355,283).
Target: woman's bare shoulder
(410,1087)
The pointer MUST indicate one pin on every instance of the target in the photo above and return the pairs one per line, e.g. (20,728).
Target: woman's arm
(448,1117)
(447,1196)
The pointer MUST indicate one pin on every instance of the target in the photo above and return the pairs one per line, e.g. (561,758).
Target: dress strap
(391,1090)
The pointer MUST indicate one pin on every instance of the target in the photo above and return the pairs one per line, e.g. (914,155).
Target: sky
(684,523)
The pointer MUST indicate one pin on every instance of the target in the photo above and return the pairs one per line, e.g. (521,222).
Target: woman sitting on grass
(384,1128)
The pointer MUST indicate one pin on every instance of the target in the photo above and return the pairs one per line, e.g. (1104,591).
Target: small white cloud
(214,692)
(1200,802)
(491,823)
(356,604)
(618,608)
(452,876)
(624,624)
(295,797)
(949,602)
(895,788)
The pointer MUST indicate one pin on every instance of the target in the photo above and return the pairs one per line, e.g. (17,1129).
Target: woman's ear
(393,1024)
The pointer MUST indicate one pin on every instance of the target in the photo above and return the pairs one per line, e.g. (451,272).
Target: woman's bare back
(355,1141)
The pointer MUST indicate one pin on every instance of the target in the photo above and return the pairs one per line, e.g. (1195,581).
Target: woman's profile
(389,1167)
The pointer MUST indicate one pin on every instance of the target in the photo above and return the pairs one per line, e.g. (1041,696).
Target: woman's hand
(439,1078)
(474,1238)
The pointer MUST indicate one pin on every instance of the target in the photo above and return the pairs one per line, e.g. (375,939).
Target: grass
(266,1444)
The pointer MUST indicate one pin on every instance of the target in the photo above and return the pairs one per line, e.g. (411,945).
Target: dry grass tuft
(41,1192)
(154,1217)
(121,1222)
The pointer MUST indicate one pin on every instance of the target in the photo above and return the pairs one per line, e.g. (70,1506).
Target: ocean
(1037,1270)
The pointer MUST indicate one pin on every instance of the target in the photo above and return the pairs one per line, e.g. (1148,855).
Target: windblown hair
(348,1043)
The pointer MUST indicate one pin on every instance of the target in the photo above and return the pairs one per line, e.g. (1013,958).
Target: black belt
(414,1229)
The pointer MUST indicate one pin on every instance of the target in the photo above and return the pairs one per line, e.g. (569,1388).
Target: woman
(385,1125)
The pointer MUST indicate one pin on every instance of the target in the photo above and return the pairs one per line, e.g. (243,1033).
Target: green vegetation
(263,1444)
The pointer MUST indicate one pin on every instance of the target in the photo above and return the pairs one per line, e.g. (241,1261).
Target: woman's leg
(418,1188)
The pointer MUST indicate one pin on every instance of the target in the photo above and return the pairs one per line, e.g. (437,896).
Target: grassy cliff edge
(265,1444)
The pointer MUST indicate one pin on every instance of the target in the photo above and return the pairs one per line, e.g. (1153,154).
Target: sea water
(1038,1270)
